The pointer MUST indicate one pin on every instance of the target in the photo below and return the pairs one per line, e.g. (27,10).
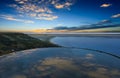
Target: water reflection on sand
(59,63)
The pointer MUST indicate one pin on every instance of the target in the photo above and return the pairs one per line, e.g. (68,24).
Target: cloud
(21,1)
(34,8)
(101,24)
(30,8)
(86,27)
(45,16)
(33,14)
(11,18)
(61,28)
(54,2)
(106,5)
(116,16)
(61,6)
(104,22)
(48,31)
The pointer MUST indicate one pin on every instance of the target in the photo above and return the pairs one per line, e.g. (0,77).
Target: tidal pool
(59,63)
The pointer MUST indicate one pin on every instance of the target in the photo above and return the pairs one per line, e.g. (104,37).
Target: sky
(59,15)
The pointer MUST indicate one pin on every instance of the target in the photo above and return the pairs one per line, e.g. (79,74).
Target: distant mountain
(10,42)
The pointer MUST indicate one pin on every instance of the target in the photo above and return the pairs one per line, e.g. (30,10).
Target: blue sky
(23,15)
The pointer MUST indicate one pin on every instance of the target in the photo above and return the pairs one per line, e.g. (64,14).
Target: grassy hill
(10,42)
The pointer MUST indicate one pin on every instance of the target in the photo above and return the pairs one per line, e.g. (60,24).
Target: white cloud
(33,14)
(40,8)
(68,4)
(44,16)
(105,21)
(106,5)
(11,18)
(30,7)
(65,5)
(21,1)
(116,16)
(47,18)
(59,6)
(34,10)
(53,2)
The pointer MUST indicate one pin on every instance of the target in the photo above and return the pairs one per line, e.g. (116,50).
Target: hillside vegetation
(10,42)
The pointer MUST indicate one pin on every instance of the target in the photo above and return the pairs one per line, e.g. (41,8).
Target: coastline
(49,36)
(13,42)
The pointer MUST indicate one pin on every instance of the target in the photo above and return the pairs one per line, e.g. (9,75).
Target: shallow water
(111,45)
(59,63)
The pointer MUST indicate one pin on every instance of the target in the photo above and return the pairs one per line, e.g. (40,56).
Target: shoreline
(13,42)
(48,37)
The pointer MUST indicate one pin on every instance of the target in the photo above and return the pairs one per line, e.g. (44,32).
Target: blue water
(65,62)
(59,63)
(111,45)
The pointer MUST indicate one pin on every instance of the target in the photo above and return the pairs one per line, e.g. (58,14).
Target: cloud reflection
(47,63)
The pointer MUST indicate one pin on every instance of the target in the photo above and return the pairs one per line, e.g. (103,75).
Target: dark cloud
(61,28)
(101,24)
